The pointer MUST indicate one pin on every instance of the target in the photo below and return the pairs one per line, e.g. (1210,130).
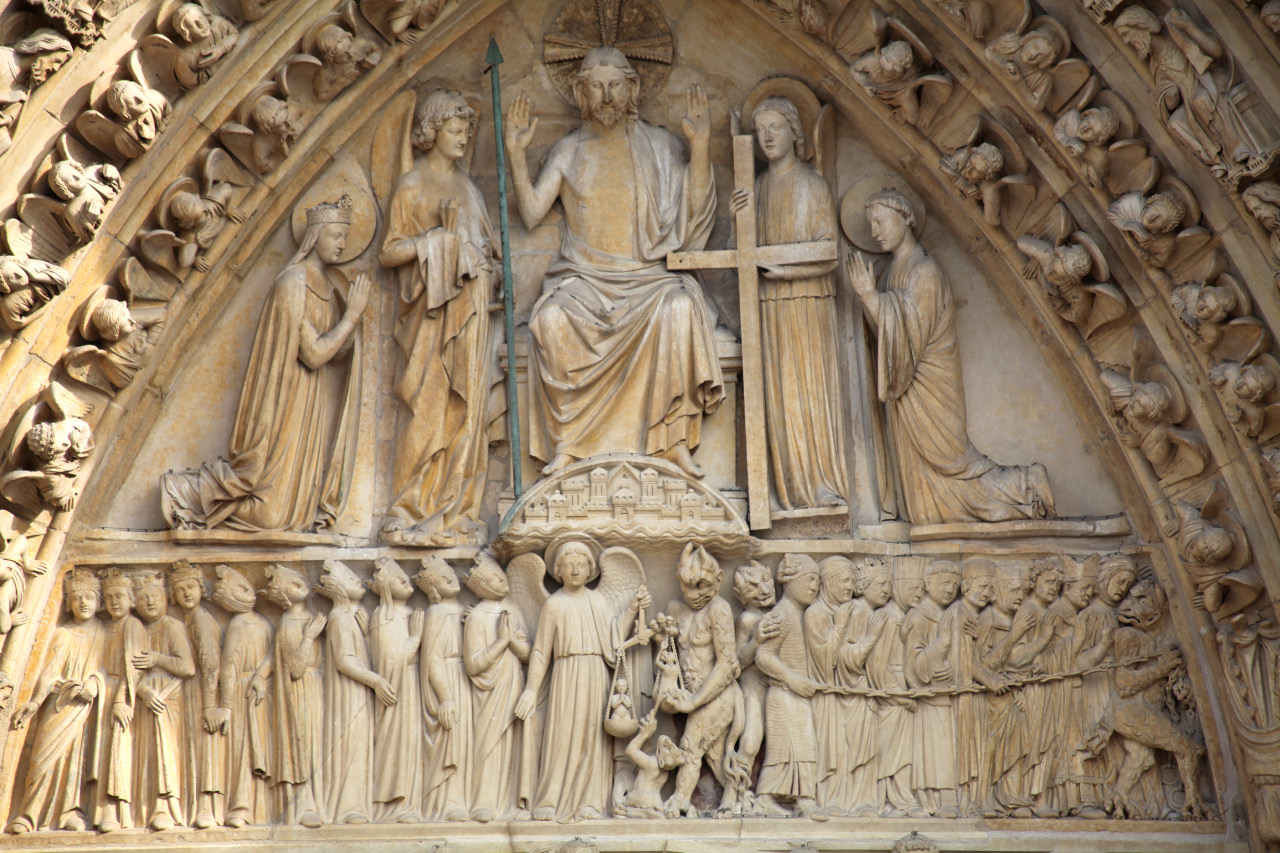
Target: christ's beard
(607,115)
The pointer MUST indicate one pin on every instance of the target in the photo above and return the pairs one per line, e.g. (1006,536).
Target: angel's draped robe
(945,479)
(451,383)
(799,335)
(578,633)
(622,357)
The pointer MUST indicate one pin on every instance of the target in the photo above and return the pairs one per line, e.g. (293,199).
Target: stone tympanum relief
(293,442)
(364,631)
(622,354)
(443,249)
(944,478)
(907,687)
(803,399)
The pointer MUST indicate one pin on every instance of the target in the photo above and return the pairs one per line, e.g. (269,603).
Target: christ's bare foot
(394,524)
(683,459)
(562,460)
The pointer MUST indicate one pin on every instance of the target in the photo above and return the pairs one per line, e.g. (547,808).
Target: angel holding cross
(798,317)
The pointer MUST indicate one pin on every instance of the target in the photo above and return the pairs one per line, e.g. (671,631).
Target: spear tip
(493,56)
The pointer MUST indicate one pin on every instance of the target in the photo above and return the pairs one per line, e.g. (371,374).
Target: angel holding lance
(579,633)
(441,242)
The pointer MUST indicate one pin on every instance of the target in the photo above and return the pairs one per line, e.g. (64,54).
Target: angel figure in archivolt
(580,634)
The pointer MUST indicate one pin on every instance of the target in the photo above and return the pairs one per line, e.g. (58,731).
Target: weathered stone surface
(260,361)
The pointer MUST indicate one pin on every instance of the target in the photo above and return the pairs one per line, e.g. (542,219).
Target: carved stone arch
(119,431)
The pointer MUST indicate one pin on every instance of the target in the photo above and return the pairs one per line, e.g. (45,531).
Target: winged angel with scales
(579,638)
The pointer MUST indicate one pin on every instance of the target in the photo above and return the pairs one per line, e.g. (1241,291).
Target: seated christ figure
(621,358)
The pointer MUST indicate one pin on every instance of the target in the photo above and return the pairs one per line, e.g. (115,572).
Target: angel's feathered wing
(526,577)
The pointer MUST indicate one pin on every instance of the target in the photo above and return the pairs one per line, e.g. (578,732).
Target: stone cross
(746,258)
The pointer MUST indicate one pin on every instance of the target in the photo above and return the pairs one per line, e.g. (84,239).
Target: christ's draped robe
(945,478)
(622,356)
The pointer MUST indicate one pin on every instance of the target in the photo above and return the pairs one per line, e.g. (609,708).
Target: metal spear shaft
(494,58)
